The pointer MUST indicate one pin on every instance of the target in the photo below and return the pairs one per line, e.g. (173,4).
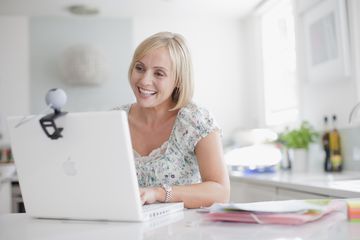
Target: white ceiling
(131,8)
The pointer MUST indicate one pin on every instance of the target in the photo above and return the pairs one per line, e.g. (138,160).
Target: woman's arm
(215,185)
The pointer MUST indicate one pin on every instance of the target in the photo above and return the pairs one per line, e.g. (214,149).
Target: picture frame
(326,41)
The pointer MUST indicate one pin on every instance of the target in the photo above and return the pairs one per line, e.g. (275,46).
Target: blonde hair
(180,62)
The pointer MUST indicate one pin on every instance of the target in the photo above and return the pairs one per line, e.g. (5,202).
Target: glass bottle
(326,145)
(335,147)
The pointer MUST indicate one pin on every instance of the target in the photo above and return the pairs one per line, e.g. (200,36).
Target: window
(279,64)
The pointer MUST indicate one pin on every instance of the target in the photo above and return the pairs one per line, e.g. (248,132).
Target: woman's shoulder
(195,122)
(194,113)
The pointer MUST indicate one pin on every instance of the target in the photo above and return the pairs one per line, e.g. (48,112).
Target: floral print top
(174,162)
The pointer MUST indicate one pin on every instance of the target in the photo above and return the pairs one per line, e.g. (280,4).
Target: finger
(142,199)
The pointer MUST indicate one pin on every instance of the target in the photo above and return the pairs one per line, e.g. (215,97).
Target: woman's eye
(139,68)
(159,74)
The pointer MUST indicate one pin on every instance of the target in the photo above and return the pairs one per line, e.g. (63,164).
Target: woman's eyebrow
(160,67)
(156,67)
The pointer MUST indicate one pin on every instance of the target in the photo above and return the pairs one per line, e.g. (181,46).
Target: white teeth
(146,92)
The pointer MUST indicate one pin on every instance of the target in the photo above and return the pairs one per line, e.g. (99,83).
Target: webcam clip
(48,124)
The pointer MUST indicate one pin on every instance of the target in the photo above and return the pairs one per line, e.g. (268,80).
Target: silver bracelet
(168,192)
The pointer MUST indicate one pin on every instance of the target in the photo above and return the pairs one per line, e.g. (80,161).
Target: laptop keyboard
(159,209)
(151,207)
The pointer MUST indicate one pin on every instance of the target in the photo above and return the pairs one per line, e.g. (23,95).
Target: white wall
(253,88)
(14,68)
(354,21)
(226,64)
(316,99)
(336,96)
(50,36)
(216,47)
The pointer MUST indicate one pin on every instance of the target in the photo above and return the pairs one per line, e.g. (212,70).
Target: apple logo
(69,167)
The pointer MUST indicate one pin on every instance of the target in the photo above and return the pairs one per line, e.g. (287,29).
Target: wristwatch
(168,192)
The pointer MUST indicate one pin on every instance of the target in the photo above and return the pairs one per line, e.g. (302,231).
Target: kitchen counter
(188,224)
(336,185)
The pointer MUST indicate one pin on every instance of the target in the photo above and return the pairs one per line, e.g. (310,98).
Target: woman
(177,145)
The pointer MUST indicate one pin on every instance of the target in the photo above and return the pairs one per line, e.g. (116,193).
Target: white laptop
(87,174)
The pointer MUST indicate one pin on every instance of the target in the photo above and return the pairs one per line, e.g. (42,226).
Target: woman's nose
(146,78)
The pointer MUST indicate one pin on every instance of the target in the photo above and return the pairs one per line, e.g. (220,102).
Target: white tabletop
(188,224)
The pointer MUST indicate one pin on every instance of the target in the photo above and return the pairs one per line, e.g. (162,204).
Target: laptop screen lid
(89,173)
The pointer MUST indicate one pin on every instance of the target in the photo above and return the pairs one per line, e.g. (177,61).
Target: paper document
(291,206)
(275,212)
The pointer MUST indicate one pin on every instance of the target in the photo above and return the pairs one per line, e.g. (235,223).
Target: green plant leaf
(300,137)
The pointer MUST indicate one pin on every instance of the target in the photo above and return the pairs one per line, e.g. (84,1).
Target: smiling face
(152,79)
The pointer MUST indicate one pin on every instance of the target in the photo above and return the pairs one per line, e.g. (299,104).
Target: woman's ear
(175,94)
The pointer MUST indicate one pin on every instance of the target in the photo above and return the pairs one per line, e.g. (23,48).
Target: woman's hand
(151,195)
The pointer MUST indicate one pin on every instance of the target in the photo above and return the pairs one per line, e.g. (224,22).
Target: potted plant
(297,142)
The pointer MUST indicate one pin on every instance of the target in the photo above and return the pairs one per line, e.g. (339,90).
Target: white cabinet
(248,192)
(6,172)
(5,197)
(287,194)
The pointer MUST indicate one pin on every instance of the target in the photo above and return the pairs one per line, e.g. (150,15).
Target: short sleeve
(197,123)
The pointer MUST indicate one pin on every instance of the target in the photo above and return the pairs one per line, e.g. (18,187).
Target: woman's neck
(154,116)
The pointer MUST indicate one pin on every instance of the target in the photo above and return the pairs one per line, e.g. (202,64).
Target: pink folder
(305,213)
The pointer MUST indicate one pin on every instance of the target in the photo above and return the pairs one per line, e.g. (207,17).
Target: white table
(188,224)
